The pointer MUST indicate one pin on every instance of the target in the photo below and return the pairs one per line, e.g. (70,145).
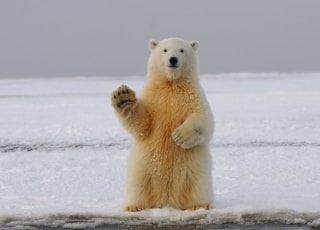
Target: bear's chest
(169,109)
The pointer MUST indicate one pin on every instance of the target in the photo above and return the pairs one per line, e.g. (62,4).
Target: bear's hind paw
(133,208)
(196,207)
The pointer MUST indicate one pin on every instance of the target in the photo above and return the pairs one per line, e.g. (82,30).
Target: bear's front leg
(191,132)
(131,111)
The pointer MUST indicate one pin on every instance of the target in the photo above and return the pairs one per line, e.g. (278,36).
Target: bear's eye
(165,50)
(181,51)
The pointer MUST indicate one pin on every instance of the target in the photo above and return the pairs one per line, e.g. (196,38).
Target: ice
(315,223)
(63,153)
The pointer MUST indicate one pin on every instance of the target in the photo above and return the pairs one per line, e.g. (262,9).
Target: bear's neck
(175,83)
(162,80)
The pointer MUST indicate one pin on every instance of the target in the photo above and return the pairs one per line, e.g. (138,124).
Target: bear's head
(173,58)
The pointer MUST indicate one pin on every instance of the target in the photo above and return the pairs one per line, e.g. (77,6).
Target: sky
(110,38)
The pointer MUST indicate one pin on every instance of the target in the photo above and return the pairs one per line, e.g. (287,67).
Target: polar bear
(171,124)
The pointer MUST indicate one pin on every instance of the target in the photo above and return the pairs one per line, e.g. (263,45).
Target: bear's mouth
(173,66)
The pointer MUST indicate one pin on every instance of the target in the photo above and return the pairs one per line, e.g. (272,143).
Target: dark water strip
(50,147)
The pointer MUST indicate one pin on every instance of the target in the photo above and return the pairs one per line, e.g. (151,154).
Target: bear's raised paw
(123,99)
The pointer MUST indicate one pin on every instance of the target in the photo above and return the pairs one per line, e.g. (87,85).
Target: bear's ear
(153,44)
(194,45)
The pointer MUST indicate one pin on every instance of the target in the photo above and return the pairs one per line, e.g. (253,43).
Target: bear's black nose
(173,61)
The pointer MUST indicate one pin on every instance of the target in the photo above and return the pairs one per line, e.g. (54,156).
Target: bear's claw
(204,206)
(133,209)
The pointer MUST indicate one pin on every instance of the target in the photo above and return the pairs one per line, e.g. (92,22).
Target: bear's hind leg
(140,192)
(137,199)
(192,186)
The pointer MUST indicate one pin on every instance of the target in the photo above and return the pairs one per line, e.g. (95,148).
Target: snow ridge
(165,218)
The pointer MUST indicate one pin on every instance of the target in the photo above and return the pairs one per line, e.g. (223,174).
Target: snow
(63,153)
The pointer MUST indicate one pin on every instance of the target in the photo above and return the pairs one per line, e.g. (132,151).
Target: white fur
(171,124)
(159,60)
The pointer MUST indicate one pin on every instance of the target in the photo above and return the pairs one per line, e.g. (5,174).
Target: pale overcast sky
(44,38)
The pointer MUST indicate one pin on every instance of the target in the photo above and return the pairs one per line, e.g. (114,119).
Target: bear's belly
(164,161)
(170,167)
(162,155)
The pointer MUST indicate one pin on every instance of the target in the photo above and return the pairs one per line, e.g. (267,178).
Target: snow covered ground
(63,153)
